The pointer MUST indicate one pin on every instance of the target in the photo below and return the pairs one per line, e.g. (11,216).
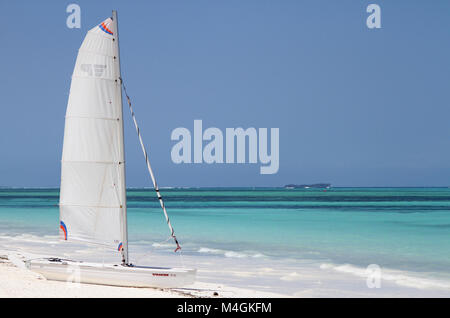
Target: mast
(125,259)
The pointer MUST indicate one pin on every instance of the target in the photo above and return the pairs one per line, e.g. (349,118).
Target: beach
(17,281)
(250,242)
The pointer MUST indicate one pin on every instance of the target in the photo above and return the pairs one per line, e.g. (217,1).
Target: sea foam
(401,278)
(226,253)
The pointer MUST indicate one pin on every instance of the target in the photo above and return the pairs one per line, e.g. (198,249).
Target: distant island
(308,186)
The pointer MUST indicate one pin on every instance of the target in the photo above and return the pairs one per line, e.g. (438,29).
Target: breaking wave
(401,278)
(230,254)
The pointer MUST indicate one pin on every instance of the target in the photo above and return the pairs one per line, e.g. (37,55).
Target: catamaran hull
(113,275)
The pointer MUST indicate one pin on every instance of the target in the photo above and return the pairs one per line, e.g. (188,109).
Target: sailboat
(93,206)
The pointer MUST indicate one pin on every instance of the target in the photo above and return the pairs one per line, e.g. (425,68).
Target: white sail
(92,198)
(93,193)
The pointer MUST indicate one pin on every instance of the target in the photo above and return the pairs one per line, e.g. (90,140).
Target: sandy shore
(17,281)
(222,277)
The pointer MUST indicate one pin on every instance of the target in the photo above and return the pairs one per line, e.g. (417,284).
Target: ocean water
(305,242)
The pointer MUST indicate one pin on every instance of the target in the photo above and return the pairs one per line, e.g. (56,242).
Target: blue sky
(355,107)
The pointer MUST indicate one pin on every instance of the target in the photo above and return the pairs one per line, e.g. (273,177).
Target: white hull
(113,275)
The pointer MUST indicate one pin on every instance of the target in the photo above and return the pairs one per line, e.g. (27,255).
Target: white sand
(251,277)
(17,281)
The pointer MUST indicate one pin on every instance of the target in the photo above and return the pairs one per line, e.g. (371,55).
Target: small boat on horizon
(308,186)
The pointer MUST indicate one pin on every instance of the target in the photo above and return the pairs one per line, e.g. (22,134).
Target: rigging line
(150,170)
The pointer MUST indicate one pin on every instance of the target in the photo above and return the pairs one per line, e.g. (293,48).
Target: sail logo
(63,229)
(93,69)
(235,146)
(104,27)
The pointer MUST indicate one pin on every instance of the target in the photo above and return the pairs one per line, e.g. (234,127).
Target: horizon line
(230,187)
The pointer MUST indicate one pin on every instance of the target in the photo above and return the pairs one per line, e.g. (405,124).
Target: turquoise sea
(261,230)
